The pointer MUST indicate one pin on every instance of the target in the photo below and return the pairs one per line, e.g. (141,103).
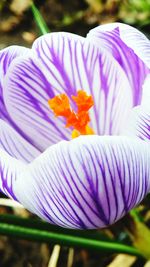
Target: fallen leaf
(140,236)
(147,264)
(122,260)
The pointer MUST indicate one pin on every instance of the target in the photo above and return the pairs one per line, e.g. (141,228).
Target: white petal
(139,117)
(10,169)
(71,64)
(89,182)
(15,145)
(130,48)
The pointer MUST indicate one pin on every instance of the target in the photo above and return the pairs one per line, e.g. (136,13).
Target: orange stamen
(78,120)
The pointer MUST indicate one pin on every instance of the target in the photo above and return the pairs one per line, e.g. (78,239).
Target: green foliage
(135,12)
(37,230)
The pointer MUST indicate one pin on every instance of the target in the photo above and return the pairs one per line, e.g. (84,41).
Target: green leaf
(136,215)
(140,236)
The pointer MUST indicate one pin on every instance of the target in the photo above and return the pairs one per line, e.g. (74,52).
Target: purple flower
(90,181)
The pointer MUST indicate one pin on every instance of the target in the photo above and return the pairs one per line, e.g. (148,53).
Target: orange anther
(60,105)
(83,101)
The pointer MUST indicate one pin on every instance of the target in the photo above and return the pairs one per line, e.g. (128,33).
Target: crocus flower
(75,125)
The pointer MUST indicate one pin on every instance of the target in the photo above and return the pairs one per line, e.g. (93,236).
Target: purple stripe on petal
(89,182)
(15,145)
(7,56)
(27,103)
(66,63)
(129,47)
(10,169)
(139,122)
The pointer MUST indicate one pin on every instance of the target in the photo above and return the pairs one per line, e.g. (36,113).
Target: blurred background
(17,26)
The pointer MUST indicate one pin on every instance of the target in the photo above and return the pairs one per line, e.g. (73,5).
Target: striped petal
(139,123)
(27,103)
(10,168)
(7,55)
(89,182)
(65,63)
(78,64)
(130,48)
(15,145)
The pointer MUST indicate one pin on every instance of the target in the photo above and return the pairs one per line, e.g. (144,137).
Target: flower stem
(28,233)
(39,19)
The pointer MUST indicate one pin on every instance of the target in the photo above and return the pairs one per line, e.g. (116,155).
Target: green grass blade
(42,225)
(39,20)
(64,238)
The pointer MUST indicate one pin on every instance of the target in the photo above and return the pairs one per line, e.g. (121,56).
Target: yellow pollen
(79,120)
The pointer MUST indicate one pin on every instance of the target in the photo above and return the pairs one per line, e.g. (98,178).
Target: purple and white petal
(10,168)
(15,145)
(26,100)
(80,65)
(7,55)
(130,48)
(139,122)
(71,63)
(145,103)
(89,182)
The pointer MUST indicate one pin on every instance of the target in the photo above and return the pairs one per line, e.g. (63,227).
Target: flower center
(80,119)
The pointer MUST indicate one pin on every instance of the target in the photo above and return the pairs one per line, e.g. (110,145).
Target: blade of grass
(39,224)
(39,19)
(21,232)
